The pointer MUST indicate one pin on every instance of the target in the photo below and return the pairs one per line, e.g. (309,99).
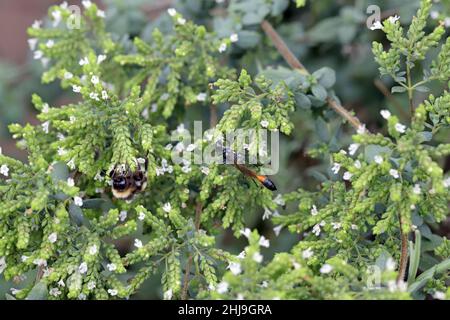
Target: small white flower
(190,147)
(111,266)
(53,237)
(394,19)
(50,43)
(357,164)
(113,292)
(336,225)
(76,88)
(84,61)
(45,61)
(277,230)
(137,243)
(56,14)
(64,5)
(447,22)
(32,43)
(376,26)
(68,75)
(94,96)
(201,96)
(326,268)
(61,151)
(434,15)
(172,12)
(181,21)
(141,216)
(336,167)
(70,182)
(23,258)
(439,295)
(86,3)
(78,201)
(83,268)
(241,255)
(45,126)
(416,189)
(316,230)
(222,47)
(400,127)
(390,264)
(257,257)
(378,159)
(168,294)
(54,292)
(101,13)
(385,114)
(167,207)
(61,283)
(354,227)
(264,123)
(4,170)
(71,164)
(235,268)
(93,249)
(123,215)
(101,58)
(394,173)
(432,191)
(95,80)
(264,284)
(2,264)
(205,170)
(40,262)
(347,176)
(104,95)
(246,232)
(446,182)
(263,242)
(165,96)
(353,148)
(361,129)
(38,54)
(91,285)
(222,287)
(234,37)
(308,253)
(314,211)
(82,296)
(36,24)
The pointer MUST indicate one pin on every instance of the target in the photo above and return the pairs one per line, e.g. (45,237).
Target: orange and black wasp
(228,155)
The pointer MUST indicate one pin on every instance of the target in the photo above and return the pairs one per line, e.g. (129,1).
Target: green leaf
(248,39)
(319,92)
(428,275)
(414,257)
(39,292)
(326,77)
(422,89)
(302,100)
(60,172)
(398,89)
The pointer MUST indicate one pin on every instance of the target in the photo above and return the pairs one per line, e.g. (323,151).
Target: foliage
(131,101)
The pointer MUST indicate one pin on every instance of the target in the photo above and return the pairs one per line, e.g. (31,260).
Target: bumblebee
(126,183)
(228,155)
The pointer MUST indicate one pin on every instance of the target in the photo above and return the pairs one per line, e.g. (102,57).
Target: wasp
(263,179)
(126,183)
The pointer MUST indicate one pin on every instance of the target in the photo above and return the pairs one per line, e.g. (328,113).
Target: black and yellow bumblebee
(127,183)
(228,154)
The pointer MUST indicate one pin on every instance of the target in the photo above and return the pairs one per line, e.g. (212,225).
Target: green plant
(59,219)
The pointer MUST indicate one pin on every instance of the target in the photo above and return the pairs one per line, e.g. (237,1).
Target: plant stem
(403,252)
(294,63)
(198,214)
(410,89)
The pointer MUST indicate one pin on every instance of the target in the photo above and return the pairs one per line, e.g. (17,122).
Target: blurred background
(324,33)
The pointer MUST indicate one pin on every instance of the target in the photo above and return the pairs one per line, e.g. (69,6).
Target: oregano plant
(116,191)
